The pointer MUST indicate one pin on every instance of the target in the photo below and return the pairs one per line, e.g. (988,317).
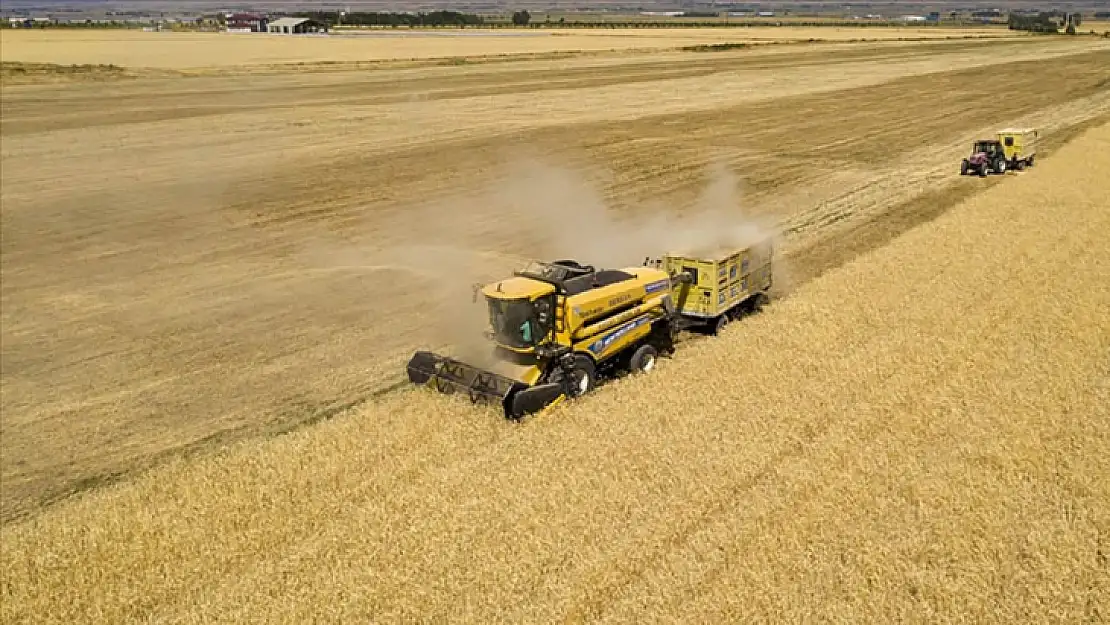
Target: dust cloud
(572,219)
(534,210)
(423,289)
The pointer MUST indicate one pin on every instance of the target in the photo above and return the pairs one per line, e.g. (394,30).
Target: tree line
(433,18)
(1046,22)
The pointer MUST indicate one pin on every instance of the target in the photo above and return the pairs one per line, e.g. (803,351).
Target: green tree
(521,18)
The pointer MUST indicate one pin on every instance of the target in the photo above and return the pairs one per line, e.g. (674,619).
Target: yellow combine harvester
(557,328)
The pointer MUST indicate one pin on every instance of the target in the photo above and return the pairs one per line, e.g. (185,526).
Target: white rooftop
(289,21)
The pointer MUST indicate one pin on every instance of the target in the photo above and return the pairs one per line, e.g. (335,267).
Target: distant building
(29,22)
(295,26)
(246,23)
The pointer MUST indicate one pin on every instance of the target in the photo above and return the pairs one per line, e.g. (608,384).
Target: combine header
(557,328)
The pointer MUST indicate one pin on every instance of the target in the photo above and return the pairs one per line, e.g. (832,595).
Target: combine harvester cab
(557,328)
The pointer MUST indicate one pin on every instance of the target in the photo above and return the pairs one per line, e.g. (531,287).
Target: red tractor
(987,156)
(1013,148)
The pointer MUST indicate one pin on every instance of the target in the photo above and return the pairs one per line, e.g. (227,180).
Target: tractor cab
(985,150)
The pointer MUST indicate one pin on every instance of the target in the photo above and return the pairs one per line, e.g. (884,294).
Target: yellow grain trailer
(724,283)
(1019,145)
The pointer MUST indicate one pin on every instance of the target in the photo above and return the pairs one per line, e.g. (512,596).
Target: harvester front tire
(643,359)
(583,377)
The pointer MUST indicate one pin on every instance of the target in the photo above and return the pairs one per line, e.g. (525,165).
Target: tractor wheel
(982,170)
(1029,162)
(583,376)
(1000,167)
(964,167)
(643,359)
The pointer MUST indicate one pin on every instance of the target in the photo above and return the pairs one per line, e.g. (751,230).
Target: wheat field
(215,265)
(1098,26)
(191,262)
(918,435)
(188,50)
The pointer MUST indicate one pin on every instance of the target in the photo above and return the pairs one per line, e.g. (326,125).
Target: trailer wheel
(719,324)
(643,360)
(761,300)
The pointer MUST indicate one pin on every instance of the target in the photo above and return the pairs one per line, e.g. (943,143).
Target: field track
(903,439)
(196,261)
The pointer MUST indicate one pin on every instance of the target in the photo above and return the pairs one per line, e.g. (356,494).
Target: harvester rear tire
(643,359)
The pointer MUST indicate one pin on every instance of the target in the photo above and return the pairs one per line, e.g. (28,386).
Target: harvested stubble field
(173,50)
(919,435)
(1098,26)
(194,261)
